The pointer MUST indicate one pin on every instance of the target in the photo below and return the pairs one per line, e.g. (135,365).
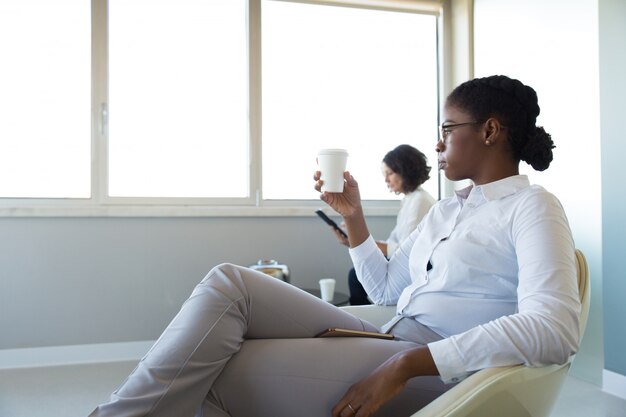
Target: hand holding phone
(330,222)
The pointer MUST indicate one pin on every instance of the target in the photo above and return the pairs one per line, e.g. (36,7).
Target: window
(178,123)
(338,77)
(45,145)
(195,102)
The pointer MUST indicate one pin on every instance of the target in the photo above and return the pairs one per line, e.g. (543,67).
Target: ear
(492,131)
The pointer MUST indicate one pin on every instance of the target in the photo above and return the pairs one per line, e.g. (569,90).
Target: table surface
(339,298)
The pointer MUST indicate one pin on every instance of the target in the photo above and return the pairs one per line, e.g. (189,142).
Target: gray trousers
(242,345)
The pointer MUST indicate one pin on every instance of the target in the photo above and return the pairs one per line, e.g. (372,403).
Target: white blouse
(492,270)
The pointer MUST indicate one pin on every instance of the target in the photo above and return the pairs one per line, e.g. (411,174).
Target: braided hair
(515,105)
(410,164)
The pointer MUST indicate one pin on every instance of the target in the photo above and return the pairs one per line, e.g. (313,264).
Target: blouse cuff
(448,361)
(364,250)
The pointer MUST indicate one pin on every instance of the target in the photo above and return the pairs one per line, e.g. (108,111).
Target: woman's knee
(224,270)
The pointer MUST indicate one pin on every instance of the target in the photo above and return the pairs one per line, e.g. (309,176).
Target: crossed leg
(231,304)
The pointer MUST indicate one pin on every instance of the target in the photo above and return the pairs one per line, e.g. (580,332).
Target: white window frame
(100,204)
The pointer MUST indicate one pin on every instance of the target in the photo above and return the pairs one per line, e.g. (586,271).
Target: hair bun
(538,149)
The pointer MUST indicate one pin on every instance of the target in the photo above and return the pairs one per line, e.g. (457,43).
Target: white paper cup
(332,164)
(327,289)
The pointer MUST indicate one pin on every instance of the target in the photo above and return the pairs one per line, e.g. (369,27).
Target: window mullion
(99,101)
(254,103)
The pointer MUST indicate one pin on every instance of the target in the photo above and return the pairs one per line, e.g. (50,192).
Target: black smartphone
(330,222)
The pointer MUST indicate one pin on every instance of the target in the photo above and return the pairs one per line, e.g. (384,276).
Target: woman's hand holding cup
(341,193)
(346,203)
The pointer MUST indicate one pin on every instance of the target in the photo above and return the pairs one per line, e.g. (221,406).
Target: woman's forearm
(417,362)
(356,228)
(385,382)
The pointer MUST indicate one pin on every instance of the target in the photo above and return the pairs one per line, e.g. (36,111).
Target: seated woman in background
(487,279)
(405,169)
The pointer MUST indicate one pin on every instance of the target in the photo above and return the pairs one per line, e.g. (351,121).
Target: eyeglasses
(446,129)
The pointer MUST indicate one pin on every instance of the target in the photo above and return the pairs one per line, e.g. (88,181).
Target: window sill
(370,209)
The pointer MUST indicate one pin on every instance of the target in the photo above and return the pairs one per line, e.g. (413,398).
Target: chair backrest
(584,289)
(512,390)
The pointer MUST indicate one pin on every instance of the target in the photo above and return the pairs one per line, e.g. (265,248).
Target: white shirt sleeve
(383,280)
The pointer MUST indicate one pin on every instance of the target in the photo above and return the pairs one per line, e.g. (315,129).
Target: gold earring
(487,142)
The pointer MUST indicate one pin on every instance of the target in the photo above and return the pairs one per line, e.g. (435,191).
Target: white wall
(613,116)
(553,47)
(69,281)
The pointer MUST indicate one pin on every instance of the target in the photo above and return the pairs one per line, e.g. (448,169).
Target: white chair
(511,391)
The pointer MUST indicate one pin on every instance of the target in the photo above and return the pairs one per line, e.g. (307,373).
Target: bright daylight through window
(178,123)
(338,77)
(45,99)
(126,102)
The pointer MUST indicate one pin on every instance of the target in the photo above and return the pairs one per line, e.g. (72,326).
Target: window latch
(104,118)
